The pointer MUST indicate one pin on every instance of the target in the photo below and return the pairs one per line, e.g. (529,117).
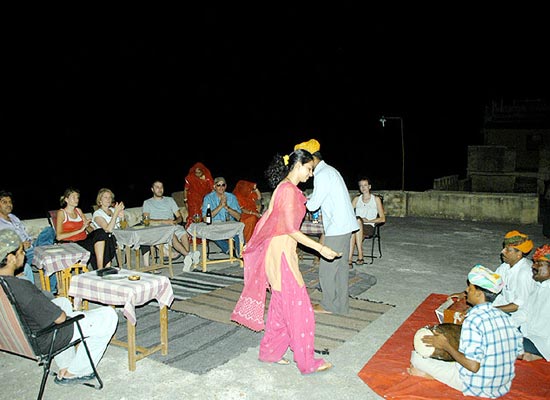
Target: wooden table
(55,258)
(152,235)
(118,290)
(218,230)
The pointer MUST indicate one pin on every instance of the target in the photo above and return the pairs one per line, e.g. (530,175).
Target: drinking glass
(197,218)
(123,223)
(146,220)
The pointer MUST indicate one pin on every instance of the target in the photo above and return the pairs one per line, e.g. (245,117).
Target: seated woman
(249,198)
(198,183)
(369,211)
(73,226)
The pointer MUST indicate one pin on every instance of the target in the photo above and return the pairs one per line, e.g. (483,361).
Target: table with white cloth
(153,235)
(218,230)
(53,259)
(118,290)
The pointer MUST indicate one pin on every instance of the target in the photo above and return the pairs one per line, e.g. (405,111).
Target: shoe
(360,261)
(317,308)
(187,263)
(77,380)
(196,257)
(350,263)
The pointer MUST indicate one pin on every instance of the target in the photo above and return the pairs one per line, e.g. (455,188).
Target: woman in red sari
(198,183)
(248,195)
(271,262)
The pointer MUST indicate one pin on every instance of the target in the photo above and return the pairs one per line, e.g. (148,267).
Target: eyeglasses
(220,184)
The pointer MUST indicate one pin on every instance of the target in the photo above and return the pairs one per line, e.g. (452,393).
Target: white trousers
(444,371)
(98,327)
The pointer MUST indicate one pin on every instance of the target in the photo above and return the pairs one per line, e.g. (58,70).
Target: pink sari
(284,215)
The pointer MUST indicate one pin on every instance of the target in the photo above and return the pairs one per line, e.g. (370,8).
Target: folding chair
(17,338)
(375,237)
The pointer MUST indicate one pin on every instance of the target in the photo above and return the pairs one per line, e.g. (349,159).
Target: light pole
(383,121)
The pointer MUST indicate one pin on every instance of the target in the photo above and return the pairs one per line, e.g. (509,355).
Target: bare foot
(416,372)
(530,357)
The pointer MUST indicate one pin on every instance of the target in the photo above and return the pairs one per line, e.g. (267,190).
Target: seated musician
(488,348)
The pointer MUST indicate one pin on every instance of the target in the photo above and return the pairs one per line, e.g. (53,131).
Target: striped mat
(190,284)
(331,330)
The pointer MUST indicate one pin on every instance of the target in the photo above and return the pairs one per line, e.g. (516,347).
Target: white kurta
(536,326)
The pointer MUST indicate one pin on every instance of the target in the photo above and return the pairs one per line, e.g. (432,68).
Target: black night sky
(118,100)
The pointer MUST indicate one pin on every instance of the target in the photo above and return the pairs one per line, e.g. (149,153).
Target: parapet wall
(516,208)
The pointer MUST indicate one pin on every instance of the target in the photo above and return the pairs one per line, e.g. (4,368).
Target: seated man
(98,326)
(9,221)
(162,209)
(225,207)
(488,348)
(515,272)
(536,340)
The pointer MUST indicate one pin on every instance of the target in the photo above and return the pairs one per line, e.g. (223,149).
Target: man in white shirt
(536,339)
(331,195)
(515,271)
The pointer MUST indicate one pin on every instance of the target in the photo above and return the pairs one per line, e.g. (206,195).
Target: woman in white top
(106,216)
(369,211)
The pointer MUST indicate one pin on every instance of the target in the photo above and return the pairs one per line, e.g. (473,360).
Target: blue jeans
(45,237)
(224,245)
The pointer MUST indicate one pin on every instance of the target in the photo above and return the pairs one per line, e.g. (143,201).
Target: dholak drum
(451,332)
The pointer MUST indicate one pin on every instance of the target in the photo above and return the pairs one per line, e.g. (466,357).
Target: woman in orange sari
(248,196)
(198,183)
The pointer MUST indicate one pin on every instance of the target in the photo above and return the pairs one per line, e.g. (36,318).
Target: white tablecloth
(145,235)
(57,257)
(217,230)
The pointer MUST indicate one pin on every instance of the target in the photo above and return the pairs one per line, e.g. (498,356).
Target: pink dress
(271,261)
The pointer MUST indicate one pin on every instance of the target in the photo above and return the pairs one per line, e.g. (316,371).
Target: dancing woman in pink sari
(271,263)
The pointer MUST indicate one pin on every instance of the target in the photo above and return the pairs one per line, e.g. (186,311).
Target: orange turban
(518,241)
(542,253)
(311,145)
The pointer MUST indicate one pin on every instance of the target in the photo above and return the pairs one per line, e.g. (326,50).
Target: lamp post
(383,121)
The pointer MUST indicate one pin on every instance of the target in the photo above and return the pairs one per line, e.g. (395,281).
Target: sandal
(360,261)
(350,263)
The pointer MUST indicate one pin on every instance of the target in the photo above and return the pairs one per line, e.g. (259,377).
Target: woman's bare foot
(324,367)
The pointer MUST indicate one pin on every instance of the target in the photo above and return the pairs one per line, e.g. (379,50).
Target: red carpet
(386,372)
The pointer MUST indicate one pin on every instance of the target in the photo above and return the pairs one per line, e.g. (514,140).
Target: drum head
(420,347)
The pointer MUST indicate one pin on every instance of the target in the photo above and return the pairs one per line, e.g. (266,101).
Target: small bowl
(134,277)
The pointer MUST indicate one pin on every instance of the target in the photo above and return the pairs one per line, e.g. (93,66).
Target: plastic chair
(17,338)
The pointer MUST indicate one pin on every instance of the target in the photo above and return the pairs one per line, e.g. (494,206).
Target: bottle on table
(315,216)
(208,218)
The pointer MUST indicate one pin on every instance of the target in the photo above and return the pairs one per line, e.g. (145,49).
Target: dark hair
(277,170)
(318,155)
(5,193)
(489,296)
(66,194)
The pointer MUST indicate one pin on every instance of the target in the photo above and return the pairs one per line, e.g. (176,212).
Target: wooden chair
(65,283)
(17,338)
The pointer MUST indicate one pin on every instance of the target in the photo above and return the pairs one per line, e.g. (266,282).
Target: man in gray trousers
(331,195)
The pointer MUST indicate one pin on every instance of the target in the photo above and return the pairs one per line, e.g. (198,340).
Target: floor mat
(195,344)
(331,329)
(191,284)
(386,374)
